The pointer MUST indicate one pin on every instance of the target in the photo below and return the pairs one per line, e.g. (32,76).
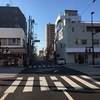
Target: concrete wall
(13,33)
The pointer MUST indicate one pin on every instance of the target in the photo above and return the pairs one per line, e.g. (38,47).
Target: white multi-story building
(15,40)
(73,36)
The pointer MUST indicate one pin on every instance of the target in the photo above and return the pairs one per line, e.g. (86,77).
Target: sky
(47,11)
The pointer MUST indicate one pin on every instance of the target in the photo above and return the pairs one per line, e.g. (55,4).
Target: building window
(84,41)
(96,41)
(14,41)
(3,41)
(72,29)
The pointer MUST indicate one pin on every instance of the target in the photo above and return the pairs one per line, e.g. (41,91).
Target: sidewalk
(86,69)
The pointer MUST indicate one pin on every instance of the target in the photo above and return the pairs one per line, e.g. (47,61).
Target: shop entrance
(81,58)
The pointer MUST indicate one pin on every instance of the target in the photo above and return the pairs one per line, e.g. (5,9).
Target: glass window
(11,41)
(18,41)
(4,41)
(84,41)
(96,41)
(72,29)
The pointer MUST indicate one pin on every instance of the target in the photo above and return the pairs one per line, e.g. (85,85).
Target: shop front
(12,58)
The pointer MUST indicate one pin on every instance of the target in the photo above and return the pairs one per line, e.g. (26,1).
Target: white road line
(60,86)
(49,66)
(14,85)
(29,85)
(44,66)
(53,66)
(30,66)
(43,84)
(67,95)
(73,84)
(53,78)
(34,66)
(91,79)
(39,66)
(4,96)
(85,82)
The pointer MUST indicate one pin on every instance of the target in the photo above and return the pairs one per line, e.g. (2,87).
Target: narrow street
(47,81)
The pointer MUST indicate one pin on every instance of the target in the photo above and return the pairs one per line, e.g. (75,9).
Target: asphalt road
(44,80)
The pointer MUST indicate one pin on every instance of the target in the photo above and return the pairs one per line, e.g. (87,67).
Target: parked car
(61,61)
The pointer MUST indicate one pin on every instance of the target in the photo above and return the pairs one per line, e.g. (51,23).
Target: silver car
(61,61)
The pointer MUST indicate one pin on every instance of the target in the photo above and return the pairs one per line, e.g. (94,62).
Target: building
(50,35)
(74,37)
(12,17)
(13,35)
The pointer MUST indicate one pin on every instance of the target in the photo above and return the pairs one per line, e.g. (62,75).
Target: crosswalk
(44,66)
(79,83)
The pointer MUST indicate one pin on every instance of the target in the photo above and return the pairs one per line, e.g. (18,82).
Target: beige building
(50,35)
(15,40)
(73,36)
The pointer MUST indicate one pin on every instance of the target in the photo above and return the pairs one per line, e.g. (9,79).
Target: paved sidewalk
(87,69)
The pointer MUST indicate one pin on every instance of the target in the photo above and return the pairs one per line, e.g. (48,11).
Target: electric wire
(83,11)
(11,2)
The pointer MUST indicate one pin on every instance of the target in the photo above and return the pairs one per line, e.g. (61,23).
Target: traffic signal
(7,49)
(36,40)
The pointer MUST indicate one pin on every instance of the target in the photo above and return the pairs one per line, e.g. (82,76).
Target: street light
(92,38)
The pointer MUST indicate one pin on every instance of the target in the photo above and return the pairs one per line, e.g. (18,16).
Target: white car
(61,61)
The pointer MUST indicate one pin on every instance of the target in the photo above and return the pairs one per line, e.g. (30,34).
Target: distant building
(50,36)
(73,37)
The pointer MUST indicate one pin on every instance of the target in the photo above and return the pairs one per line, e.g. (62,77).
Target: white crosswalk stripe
(44,66)
(91,79)
(85,82)
(29,85)
(14,85)
(73,84)
(44,84)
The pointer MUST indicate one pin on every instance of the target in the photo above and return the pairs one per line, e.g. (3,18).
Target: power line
(85,10)
(11,2)
(23,6)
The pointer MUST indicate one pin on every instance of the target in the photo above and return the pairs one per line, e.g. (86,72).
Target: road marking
(14,85)
(91,79)
(55,71)
(60,86)
(4,96)
(43,84)
(67,95)
(39,66)
(73,84)
(85,82)
(49,66)
(44,66)
(53,78)
(53,66)
(30,66)
(34,66)
(29,85)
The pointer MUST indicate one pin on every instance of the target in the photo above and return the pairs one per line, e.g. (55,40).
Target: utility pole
(30,40)
(92,38)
